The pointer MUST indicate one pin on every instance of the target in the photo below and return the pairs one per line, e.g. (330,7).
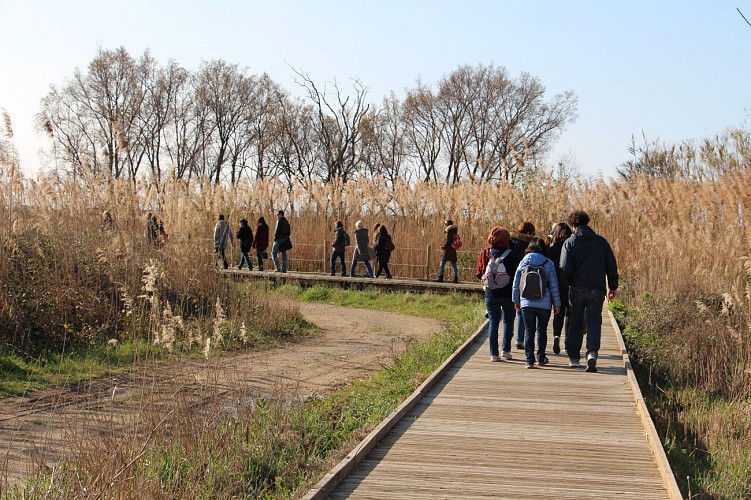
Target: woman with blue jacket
(533,294)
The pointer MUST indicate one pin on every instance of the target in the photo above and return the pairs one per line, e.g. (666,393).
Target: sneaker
(592,362)
(530,366)
(557,345)
(506,355)
(574,363)
(495,358)
(520,346)
(542,362)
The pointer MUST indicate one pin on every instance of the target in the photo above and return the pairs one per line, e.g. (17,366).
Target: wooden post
(324,256)
(427,263)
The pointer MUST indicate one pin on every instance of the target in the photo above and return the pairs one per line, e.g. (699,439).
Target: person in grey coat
(222,239)
(362,249)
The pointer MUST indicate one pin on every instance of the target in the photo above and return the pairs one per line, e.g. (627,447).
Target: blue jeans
(535,319)
(367,266)
(519,327)
(245,259)
(275,257)
(340,255)
(584,303)
(443,269)
(499,309)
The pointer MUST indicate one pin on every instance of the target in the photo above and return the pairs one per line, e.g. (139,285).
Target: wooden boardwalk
(499,430)
(359,283)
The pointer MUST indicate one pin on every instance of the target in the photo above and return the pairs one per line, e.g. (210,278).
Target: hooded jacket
(552,294)
(587,259)
(338,244)
(449,252)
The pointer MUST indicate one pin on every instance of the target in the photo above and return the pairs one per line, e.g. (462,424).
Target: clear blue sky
(670,69)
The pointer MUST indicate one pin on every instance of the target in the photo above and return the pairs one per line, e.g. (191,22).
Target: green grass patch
(20,374)
(451,308)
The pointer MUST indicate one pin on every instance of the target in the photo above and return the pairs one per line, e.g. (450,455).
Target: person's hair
(377,225)
(448,222)
(261,220)
(244,222)
(339,223)
(383,230)
(578,218)
(561,231)
(359,224)
(499,237)
(537,245)
(526,228)
(221,216)
(280,212)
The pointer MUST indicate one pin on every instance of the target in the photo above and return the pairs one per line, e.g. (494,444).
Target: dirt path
(38,430)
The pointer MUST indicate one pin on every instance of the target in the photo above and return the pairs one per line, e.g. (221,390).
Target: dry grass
(680,243)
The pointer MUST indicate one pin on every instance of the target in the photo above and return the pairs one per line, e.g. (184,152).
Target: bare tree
(338,125)
(423,131)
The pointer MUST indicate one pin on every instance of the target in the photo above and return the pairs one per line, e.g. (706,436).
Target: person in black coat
(587,261)
(338,247)
(383,248)
(245,236)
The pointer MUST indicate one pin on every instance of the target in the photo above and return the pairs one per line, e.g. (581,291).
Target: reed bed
(682,247)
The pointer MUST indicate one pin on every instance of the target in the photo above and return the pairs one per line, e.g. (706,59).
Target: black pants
(383,266)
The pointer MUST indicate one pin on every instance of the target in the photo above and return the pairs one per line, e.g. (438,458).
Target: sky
(665,70)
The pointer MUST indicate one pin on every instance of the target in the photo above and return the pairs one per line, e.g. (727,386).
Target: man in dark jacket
(281,242)
(245,236)
(586,261)
(338,247)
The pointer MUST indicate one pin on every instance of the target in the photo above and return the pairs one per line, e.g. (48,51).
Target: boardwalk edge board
(327,484)
(653,438)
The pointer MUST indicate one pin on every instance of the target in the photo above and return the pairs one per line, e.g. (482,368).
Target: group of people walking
(526,278)
(380,251)
(257,240)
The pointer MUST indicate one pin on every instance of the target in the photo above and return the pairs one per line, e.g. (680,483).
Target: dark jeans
(337,254)
(560,320)
(500,309)
(584,303)
(259,256)
(383,266)
(354,266)
(223,256)
(535,321)
(245,259)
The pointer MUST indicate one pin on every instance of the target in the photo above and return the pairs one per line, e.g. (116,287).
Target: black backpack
(534,282)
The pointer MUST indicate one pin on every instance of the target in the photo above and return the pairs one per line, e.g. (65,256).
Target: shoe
(495,358)
(574,363)
(520,346)
(487,316)
(344,275)
(557,345)
(332,274)
(530,366)
(239,268)
(506,355)
(542,362)
(591,362)
(438,280)
(260,268)
(456,280)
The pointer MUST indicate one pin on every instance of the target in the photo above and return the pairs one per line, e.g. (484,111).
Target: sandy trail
(39,430)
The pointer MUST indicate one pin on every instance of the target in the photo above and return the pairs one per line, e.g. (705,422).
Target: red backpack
(456,243)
